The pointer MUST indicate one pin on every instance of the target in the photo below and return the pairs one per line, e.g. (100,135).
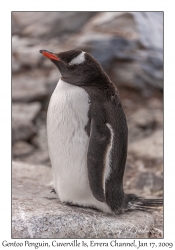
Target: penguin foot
(53,191)
(139,203)
(71,204)
(81,206)
(68,203)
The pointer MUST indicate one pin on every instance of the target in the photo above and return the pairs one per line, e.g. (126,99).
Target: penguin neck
(85,81)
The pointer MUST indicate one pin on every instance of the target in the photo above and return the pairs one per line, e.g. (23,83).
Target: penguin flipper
(98,144)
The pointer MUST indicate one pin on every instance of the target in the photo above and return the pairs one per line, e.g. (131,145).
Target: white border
(5,94)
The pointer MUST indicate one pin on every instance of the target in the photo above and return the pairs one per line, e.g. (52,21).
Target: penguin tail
(139,203)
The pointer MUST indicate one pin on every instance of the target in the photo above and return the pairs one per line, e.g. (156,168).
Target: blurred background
(129,45)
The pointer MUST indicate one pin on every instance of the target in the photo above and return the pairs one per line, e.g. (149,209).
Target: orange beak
(49,55)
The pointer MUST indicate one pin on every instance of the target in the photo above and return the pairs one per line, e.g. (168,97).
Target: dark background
(129,45)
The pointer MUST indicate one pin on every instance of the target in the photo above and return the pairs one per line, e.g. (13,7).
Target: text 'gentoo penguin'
(87,136)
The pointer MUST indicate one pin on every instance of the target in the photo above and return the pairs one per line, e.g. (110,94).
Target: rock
(156,234)
(149,181)
(22,148)
(146,118)
(25,53)
(28,89)
(27,112)
(144,121)
(36,213)
(40,140)
(150,148)
(28,56)
(22,120)
(38,156)
(16,65)
(158,219)
(47,25)
(155,103)
(22,130)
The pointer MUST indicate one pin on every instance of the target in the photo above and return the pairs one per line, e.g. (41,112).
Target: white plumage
(78,59)
(108,156)
(68,145)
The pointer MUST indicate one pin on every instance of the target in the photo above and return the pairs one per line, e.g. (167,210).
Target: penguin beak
(49,55)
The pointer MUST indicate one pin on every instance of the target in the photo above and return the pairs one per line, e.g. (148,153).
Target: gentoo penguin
(87,136)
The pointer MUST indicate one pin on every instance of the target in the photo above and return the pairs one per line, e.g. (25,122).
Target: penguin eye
(78,59)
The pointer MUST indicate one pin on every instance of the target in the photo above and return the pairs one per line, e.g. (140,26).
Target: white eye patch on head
(78,59)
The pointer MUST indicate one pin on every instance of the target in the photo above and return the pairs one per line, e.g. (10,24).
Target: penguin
(88,136)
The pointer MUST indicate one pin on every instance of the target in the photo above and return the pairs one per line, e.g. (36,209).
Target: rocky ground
(36,213)
(130,48)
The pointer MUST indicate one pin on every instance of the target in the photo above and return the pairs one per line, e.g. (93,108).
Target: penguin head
(77,67)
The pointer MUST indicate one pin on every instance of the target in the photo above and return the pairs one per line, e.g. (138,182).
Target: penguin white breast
(68,145)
